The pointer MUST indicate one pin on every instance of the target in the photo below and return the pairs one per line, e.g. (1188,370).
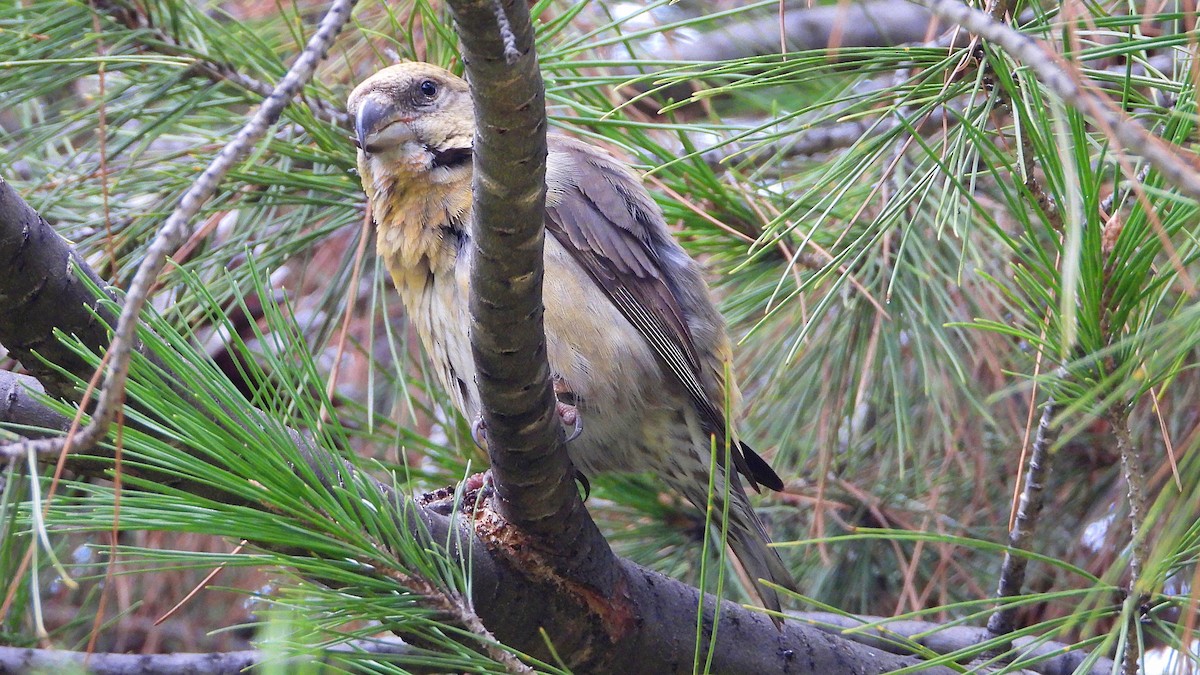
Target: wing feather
(605,220)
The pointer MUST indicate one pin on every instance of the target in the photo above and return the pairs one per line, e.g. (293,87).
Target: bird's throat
(420,219)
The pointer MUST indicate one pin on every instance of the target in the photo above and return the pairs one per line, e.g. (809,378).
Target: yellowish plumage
(633,339)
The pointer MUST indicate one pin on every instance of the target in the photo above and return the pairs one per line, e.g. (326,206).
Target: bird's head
(415,117)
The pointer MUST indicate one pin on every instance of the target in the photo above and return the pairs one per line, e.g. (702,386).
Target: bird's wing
(604,218)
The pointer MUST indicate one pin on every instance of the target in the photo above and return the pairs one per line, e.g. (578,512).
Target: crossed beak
(377,127)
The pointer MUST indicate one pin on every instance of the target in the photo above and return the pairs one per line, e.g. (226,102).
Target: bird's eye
(428,88)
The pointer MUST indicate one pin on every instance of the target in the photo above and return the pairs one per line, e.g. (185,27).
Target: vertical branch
(1135,481)
(1012,573)
(533,476)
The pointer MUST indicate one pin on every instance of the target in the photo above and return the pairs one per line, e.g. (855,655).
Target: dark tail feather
(749,541)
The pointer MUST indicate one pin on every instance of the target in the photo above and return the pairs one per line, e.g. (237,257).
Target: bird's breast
(421,222)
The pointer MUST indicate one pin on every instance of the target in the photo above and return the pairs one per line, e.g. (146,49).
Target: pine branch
(1012,572)
(175,231)
(1077,90)
(519,609)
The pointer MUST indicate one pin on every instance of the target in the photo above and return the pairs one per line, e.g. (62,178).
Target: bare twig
(1035,654)
(216,71)
(843,24)
(1012,573)
(1135,483)
(1119,195)
(1077,90)
(174,231)
(22,660)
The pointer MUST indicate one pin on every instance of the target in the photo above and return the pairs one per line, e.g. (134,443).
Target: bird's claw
(479,433)
(569,414)
(584,483)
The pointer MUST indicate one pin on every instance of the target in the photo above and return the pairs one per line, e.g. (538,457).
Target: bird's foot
(583,483)
(475,487)
(570,417)
(567,406)
(479,433)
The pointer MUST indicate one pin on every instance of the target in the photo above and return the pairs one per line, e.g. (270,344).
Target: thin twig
(1033,652)
(1119,195)
(175,231)
(216,71)
(1076,89)
(1135,483)
(19,659)
(1012,573)
(511,53)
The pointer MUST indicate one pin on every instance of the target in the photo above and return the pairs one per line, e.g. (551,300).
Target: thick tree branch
(17,402)
(42,268)
(1053,658)
(517,608)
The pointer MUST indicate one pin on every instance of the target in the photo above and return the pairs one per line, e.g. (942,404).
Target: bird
(639,355)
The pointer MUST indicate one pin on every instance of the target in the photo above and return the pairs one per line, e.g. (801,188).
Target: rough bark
(532,473)
(42,270)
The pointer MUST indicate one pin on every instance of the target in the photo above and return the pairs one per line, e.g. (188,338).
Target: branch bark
(1012,573)
(17,402)
(1052,658)
(42,269)
(532,473)
(880,23)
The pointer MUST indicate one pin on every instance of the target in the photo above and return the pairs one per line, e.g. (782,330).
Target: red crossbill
(635,345)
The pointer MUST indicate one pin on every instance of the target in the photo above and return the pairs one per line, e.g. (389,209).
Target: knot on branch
(612,610)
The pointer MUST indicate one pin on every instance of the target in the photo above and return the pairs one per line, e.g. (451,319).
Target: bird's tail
(748,539)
